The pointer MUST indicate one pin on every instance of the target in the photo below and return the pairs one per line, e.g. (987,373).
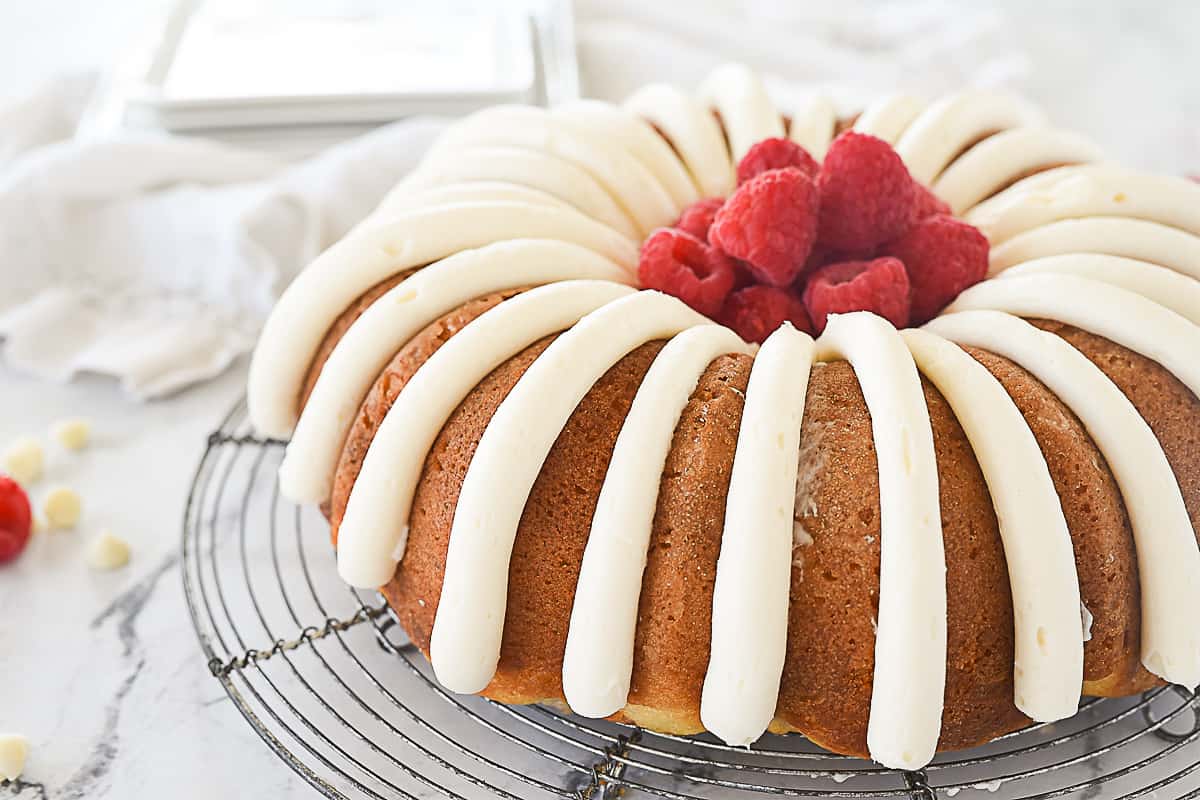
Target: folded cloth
(154,259)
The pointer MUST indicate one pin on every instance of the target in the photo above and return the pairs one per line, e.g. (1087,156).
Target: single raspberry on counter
(770,223)
(681,265)
(16,519)
(754,313)
(775,153)
(866,193)
(927,204)
(697,218)
(943,256)
(880,286)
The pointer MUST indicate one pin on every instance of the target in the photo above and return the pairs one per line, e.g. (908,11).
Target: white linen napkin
(154,259)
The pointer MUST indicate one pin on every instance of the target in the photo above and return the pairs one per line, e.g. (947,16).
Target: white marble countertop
(102,671)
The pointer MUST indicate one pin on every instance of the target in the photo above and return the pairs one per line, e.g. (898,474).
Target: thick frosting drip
(954,123)
(374,529)
(910,638)
(813,125)
(693,133)
(307,472)
(890,117)
(465,645)
(416,197)
(598,660)
(1164,286)
(1048,671)
(341,274)
(754,570)
(1168,558)
(737,93)
(998,160)
(1114,236)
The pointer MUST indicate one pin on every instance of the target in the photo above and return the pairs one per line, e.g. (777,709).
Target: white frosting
(950,125)
(754,569)
(373,533)
(890,117)
(636,136)
(371,254)
(465,645)
(417,196)
(307,472)
(515,165)
(910,640)
(1115,236)
(1126,318)
(1048,672)
(693,132)
(1166,287)
(1088,191)
(1001,159)
(813,124)
(598,660)
(630,183)
(737,93)
(1168,558)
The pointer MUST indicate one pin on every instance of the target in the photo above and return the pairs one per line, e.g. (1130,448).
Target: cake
(577,492)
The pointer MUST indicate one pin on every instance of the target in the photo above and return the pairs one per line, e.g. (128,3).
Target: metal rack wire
(328,680)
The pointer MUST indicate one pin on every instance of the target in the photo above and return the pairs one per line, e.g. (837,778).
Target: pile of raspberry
(798,241)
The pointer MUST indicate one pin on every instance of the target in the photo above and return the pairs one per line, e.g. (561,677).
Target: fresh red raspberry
(697,218)
(770,223)
(16,519)
(775,153)
(681,265)
(927,204)
(880,286)
(756,312)
(943,256)
(866,193)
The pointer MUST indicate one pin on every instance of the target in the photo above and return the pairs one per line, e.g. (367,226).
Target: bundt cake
(578,493)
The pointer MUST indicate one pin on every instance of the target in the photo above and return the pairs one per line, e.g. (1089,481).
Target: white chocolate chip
(73,434)
(108,552)
(38,523)
(62,507)
(14,748)
(24,461)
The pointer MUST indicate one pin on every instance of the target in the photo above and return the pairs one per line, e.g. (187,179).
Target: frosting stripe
(890,117)
(416,197)
(1114,236)
(374,528)
(999,160)
(910,642)
(1048,671)
(465,646)
(328,286)
(598,661)
(1168,558)
(307,472)
(693,133)
(753,577)
(1116,314)
(737,93)
(1169,289)
(813,125)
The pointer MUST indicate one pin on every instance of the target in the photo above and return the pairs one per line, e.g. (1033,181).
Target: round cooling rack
(331,684)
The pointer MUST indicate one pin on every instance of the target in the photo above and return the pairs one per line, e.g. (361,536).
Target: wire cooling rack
(329,681)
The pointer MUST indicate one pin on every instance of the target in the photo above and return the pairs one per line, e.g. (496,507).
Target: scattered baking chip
(24,461)
(108,552)
(13,751)
(61,508)
(73,434)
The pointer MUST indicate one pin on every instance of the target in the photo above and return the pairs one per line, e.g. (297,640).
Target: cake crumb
(107,552)
(24,461)
(73,434)
(62,508)
(14,749)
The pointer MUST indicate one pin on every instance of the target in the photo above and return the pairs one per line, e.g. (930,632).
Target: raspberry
(927,204)
(16,519)
(697,218)
(756,312)
(943,256)
(771,223)
(866,193)
(775,153)
(681,265)
(880,286)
